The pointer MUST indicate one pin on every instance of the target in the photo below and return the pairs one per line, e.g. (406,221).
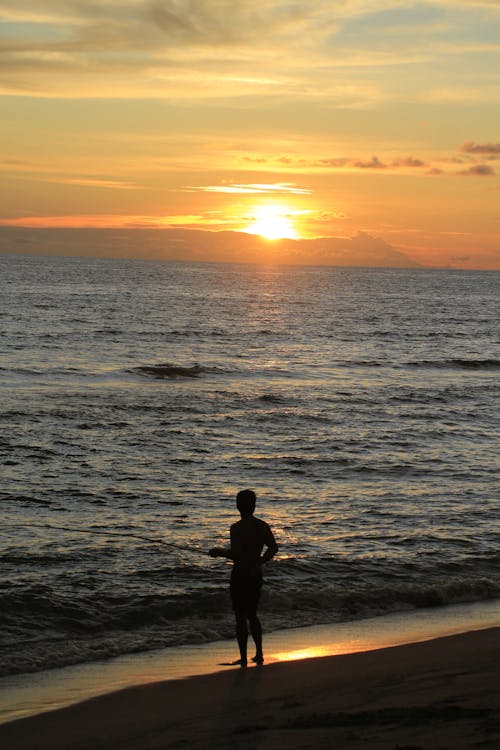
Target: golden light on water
(274,222)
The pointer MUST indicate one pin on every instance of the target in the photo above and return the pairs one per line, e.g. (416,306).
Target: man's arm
(228,552)
(272,547)
(221,552)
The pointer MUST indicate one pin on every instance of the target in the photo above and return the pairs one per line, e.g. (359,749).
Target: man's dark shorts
(245,592)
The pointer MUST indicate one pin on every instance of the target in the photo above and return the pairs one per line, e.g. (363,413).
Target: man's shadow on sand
(238,716)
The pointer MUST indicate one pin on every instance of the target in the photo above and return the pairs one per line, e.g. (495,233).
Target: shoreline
(33,694)
(435,694)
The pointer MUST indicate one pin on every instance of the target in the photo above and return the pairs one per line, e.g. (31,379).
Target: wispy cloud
(111,221)
(252,189)
(80,221)
(99,183)
(219,48)
(475,91)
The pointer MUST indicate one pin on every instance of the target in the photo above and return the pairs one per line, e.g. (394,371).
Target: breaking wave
(44,627)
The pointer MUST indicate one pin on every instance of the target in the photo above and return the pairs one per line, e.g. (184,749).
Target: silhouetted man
(249,536)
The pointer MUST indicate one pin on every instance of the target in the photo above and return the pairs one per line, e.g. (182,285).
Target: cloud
(374,163)
(99,183)
(79,221)
(252,189)
(224,22)
(478,170)
(409,161)
(335,162)
(154,40)
(343,163)
(476,90)
(15,162)
(195,244)
(326,217)
(489,149)
(473,4)
(259,160)
(192,49)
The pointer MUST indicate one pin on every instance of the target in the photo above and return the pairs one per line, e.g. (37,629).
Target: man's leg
(242,636)
(256,631)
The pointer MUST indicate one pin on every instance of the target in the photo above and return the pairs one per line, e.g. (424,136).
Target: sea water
(137,398)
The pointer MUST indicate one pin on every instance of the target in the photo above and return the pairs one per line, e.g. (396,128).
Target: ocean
(137,398)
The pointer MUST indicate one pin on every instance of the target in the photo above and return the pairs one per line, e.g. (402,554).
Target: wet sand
(441,693)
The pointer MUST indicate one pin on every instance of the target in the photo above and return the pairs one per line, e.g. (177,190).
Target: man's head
(245,502)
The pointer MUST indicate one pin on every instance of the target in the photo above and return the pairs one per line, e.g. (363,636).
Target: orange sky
(286,118)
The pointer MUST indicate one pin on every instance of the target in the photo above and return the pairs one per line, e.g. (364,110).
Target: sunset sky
(283,118)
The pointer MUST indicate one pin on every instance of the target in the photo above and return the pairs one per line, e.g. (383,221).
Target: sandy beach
(441,693)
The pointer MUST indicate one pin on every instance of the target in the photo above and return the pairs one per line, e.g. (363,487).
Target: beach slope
(432,695)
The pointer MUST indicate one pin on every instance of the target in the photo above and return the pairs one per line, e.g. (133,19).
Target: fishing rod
(182,547)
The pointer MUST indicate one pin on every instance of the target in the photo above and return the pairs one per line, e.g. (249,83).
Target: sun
(273,223)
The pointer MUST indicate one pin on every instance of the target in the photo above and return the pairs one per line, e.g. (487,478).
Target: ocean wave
(48,371)
(463,364)
(43,626)
(355,602)
(21,371)
(357,363)
(168,371)
(38,560)
(24,498)
(452,363)
(272,398)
